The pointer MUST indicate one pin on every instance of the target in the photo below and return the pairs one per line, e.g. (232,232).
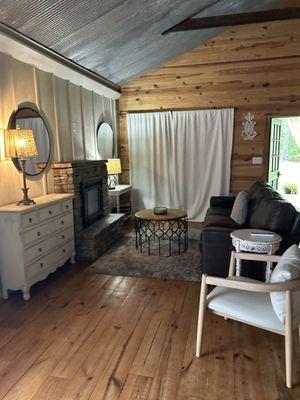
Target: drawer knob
(67,206)
(39,233)
(64,250)
(30,219)
(50,212)
(41,265)
(40,249)
(63,236)
(62,222)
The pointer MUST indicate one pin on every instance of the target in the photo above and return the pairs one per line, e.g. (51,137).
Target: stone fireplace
(95,228)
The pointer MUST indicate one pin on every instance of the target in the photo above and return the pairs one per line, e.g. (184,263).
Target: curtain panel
(180,159)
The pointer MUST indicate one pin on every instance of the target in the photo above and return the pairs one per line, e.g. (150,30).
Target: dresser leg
(72,259)
(26,293)
(5,294)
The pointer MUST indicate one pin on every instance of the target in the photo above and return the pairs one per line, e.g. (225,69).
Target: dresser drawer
(50,260)
(67,205)
(47,229)
(42,248)
(50,212)
(29,219)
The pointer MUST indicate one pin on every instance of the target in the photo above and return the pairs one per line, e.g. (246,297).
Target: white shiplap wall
(73,113)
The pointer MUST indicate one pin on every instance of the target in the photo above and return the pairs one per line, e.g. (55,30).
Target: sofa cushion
(268,210)
(220,219)
(272,215)
(218,211)
(240,208)
(288,268)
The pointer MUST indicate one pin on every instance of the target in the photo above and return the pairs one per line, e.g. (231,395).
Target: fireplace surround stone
(92,241)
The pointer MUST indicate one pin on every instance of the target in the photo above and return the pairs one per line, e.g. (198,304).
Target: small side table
(117,192)
(255,241)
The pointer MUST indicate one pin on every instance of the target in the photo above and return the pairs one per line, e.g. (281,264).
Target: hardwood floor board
(95,332)
(149,353)
(52,389)
(137,387)
(218,353)
(165,383)
(14,371)
(86,336)
(101,358)
(112,381)
(193,372)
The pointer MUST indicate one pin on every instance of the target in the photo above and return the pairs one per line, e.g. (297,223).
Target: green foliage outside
(289,188)
(289,150)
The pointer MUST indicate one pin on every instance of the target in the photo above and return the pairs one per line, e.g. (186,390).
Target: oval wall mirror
(105,140)
(26,117)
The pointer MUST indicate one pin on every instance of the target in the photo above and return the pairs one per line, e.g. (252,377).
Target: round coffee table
(255,241)
(171,227)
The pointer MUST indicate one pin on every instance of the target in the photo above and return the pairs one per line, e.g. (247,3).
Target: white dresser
(35,240)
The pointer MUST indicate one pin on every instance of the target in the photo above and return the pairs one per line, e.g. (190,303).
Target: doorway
(284,157)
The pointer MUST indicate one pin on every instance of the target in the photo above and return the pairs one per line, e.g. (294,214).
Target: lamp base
(112,182)
(26,201)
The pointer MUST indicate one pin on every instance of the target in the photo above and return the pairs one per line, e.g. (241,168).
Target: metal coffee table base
(174,233)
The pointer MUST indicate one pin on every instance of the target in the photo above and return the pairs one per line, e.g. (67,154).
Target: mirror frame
(97,134)
(12,125)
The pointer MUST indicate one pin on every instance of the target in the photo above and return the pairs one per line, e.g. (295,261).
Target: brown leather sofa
(266,210)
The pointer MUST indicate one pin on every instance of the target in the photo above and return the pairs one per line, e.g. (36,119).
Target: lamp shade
(19,143)
(114,166)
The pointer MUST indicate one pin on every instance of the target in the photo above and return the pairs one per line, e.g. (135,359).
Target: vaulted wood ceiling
(118,39)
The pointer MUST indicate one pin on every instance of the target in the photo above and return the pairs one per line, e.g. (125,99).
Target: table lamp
(20,144)
(113,168)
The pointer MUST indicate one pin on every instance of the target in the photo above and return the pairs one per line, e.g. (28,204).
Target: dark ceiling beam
(14,34)
(279,14)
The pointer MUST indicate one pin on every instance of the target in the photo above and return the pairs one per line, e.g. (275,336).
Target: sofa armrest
(222,201)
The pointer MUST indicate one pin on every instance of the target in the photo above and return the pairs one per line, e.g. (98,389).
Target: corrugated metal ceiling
(118,39)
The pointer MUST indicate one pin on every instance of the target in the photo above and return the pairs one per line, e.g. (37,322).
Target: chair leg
(202,306)
(288,340)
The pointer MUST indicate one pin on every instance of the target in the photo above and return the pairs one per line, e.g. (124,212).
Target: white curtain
(149,143)
(202,141)
(180,159)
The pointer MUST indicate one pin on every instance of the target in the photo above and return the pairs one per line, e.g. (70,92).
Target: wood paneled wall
(252,68)
(73,113)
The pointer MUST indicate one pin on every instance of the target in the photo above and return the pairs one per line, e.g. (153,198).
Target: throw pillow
(288,268)
(240,208)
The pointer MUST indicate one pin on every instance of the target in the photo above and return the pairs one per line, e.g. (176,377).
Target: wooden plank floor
(89,336)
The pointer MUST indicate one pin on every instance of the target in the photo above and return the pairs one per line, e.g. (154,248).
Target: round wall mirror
(105,140)
(30,118)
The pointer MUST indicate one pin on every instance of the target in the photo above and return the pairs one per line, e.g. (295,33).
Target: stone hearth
(93,241)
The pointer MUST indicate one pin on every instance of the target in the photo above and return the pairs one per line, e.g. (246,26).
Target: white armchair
(247,300)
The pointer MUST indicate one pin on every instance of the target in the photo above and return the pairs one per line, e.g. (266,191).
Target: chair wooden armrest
(252,286)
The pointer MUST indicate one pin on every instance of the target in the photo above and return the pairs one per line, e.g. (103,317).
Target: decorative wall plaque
(249,132)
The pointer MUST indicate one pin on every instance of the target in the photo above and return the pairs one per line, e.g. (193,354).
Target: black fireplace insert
(92,200)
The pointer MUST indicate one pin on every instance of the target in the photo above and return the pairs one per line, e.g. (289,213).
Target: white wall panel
(24,83)
(74,98)
(72,112)
(88,124)
(63,120)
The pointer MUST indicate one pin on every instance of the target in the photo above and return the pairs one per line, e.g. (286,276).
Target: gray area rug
(123,259)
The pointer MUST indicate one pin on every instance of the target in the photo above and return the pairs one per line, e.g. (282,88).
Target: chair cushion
(240,208)
(288,268)
(249,307)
